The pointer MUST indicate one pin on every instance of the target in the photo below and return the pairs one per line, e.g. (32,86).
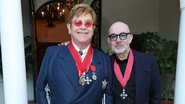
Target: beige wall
(26,18)
(169,18)
(140,15)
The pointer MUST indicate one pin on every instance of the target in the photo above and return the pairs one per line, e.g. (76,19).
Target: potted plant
(165,52)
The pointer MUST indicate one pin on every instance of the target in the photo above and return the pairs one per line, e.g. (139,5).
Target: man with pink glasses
(76,73)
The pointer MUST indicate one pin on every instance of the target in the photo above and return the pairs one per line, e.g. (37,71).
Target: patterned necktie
(81,53)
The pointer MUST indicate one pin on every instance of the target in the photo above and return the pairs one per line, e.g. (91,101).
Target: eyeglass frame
(79,23)
(116,36)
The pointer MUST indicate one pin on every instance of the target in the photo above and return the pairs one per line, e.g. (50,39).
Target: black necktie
(81,53)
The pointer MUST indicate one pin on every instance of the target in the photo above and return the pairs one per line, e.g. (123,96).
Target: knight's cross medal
(88,80)
(123,79)
(84,79)
(123,94)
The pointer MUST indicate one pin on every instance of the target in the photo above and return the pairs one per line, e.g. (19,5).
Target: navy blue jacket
(59,71)
(148,85)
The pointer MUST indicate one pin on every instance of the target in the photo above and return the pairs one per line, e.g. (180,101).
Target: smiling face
(81,29)
(81,23)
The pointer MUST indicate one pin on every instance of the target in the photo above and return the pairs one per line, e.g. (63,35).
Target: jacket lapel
(68,65)
(85,89)
(138,69)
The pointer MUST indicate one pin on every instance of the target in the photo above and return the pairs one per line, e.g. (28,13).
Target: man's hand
(64,43)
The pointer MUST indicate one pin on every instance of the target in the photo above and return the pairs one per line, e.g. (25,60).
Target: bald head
(119,45)
(118,27)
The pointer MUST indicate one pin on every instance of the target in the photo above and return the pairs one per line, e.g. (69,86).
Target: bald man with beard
(136,75)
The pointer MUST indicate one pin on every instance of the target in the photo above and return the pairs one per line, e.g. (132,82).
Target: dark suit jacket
(148,86)
(59,71)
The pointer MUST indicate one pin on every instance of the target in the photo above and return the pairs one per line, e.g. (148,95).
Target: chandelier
(55,11)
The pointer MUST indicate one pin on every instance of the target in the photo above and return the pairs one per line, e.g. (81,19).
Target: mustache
(119,44)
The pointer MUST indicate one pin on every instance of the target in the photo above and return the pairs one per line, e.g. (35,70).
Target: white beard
(118,51)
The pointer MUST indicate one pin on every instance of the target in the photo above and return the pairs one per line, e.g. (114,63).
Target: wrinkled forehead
(117,28)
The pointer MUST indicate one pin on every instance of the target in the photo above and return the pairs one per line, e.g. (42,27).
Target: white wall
(26,31)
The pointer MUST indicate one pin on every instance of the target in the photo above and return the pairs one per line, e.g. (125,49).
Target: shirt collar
(84,50)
